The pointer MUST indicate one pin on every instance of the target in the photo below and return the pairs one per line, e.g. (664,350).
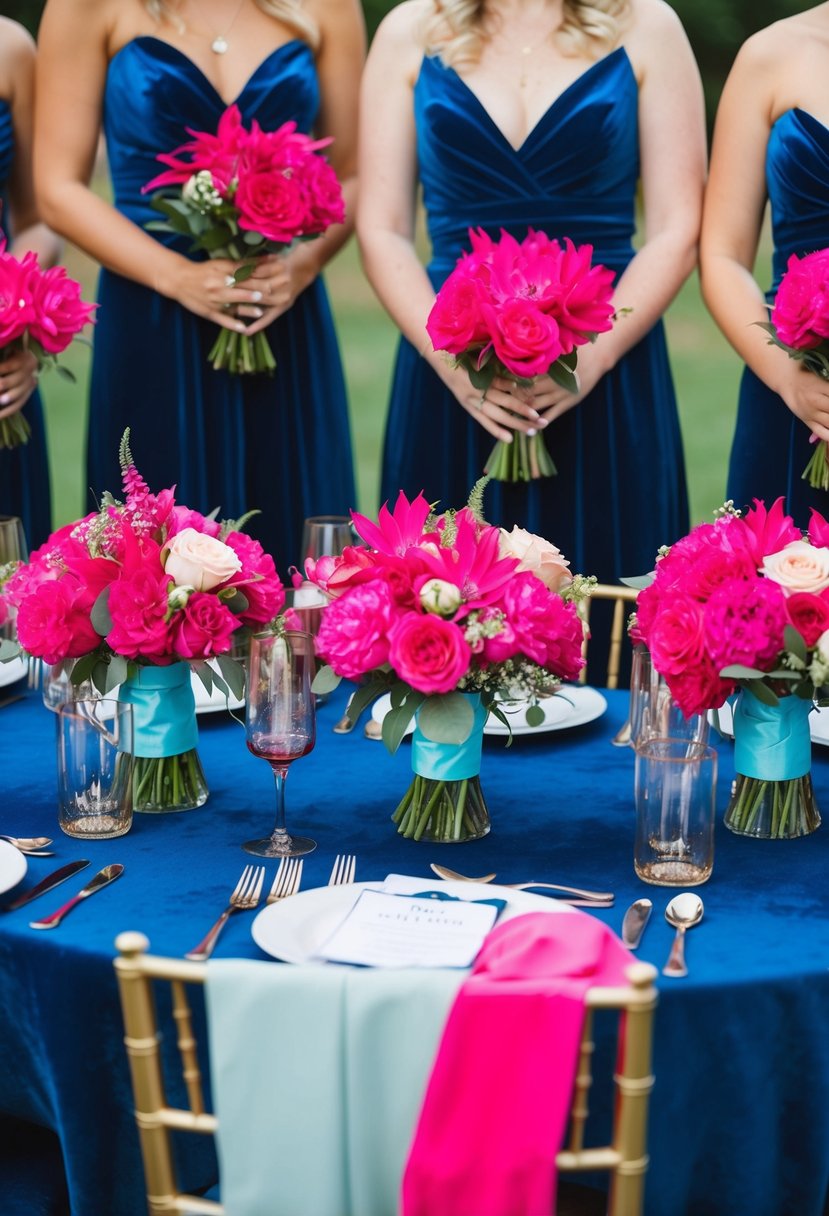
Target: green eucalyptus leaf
(234,673)
(326,680)
(446,718)
(562,376)
(793,641)
(639,581)
(100,618)
(116,672)
(205,675)
(739,671)
(395,724)
(8,650)
(535,716)
(83,667)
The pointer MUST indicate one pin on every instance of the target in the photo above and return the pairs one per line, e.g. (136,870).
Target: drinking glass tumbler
(95,763)
(675,793)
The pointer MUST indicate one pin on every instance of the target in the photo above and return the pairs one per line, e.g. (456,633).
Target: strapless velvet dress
(280,445)
(24,471)
(771,446)
(620,490)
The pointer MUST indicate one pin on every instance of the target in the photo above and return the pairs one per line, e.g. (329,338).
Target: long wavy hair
(289,12)
(455,29)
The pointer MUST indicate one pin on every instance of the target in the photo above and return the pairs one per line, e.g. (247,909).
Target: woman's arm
(386,213)
(734,205)
(672,151)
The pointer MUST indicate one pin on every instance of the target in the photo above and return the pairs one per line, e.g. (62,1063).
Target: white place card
(384,930)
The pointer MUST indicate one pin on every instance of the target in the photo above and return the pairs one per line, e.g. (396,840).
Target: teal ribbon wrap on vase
(773,796)
(167,774)
(445,801)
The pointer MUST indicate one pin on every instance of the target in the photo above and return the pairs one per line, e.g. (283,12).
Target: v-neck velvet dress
(280,445)
(771,446)
(620,489)
(24,471)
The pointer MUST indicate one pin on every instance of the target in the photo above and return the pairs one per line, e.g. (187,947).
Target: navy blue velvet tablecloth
(740,1112)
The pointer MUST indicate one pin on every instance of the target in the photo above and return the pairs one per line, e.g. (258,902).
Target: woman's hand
(210,290)
(18,380)
(807,396)
(501,410)
(551,400)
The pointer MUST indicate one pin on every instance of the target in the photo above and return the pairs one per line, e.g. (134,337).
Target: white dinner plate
(12,866)
(293,929)
(574,705)
(818,723)
(12,671)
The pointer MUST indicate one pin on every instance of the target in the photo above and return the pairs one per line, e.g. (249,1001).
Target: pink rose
(353,636)
(456,321)
(323,194)
(17,282)
(53,622)
(335,575)
(809,614)
(4,609)
(676,637)
(429,653)
(798,567)
(525,339)
(271,203)
(744,623)
(138,608)
(699,688)
(203,627)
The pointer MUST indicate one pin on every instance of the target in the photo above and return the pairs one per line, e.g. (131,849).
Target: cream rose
(798,567)
(194,559)
(538,556)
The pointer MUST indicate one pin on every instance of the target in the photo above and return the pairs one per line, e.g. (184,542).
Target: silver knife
(45,884)
(101,879)
(633,926)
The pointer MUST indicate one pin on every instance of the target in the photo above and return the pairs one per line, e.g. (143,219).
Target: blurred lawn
(705,368)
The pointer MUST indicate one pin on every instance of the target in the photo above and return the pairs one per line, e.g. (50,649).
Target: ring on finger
(479,405)
(230,280)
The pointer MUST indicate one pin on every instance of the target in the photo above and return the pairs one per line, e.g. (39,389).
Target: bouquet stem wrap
(167,774)
(444,801)
(773,796)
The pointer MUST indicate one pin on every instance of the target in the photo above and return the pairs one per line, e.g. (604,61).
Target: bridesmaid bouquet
(520,310)
(800,326)
(241,194)
(40,311)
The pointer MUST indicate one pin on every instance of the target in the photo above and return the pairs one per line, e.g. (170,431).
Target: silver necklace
(220,44)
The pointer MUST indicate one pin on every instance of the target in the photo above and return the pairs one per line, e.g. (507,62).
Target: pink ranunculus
(204,627)
(257,580)
(138,608)
(801,308)
(353,636)
(676,638)
(60,313)
(53,622)
(323,195)
(429,653)
(525,339)
(809,614)
(272,204)
(744,623)
(456,321)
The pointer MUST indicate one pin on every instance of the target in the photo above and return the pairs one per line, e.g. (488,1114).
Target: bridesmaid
(150,69)
(515,114)
(24,471)
(771,142)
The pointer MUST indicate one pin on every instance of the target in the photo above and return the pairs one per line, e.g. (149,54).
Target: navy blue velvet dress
(771,446)
(24,471)
(620,490)
(281,444)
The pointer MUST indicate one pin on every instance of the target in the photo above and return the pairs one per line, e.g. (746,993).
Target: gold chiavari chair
(624,1158)
(623,599)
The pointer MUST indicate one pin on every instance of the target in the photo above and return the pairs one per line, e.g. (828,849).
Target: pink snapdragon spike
(770,530)
(395,531)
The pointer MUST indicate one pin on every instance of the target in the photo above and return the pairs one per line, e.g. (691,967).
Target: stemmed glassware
(281,723)
(326,535)
(13,547)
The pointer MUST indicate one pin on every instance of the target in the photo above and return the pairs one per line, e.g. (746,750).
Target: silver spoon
(33,845)
(683,912)
(592,896)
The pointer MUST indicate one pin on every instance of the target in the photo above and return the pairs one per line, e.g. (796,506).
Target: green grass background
(706,372)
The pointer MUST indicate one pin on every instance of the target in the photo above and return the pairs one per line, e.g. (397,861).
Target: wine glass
(281,723)
(326,536)
(13,547)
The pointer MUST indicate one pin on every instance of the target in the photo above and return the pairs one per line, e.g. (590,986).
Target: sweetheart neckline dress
(620,490)
(278,445)
(24,471)
(771,448)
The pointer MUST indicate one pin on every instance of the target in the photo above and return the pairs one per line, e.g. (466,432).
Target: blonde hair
(289,12)
(455,30)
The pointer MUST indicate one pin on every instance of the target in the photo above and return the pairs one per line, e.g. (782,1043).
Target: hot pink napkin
(498,1100)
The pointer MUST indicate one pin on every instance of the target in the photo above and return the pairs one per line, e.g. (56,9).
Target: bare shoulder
(336,15)
(399,38)
(17,54)
(655,38)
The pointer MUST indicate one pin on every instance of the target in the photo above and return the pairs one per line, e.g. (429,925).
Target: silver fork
(345,867)
(288,878)
(245,896)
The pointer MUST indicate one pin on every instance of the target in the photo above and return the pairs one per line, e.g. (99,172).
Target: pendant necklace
(219,45)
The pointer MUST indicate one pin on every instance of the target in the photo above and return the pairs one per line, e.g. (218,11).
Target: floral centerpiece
(520,310)
(800,326)
(743,604)
(40,311)
(241,194)
(450,616)
(133,597)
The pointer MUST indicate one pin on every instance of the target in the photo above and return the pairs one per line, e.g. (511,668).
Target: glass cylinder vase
(167,772)
(444,802)
(773,798)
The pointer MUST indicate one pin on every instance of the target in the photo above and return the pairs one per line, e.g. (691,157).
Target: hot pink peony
(53,622)
(429,653)
(801,308)
(354,634)
(258,580)
(744,623)
(139,610)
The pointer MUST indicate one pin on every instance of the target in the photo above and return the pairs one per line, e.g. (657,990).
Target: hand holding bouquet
(40,311)
(800,326)
(241,194)
(520,310)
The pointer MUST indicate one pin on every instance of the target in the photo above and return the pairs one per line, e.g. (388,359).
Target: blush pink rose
(429,653)
(53,622)
(204,627)
(537,555)
(192,559)
(353,636)
(798,567)
(744,623)
(138,609)
(809,614)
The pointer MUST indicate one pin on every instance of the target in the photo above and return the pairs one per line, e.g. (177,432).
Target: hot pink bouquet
(438,608)
(520,310)
(242,194)
(744,603)
(40,311)
(800,326)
